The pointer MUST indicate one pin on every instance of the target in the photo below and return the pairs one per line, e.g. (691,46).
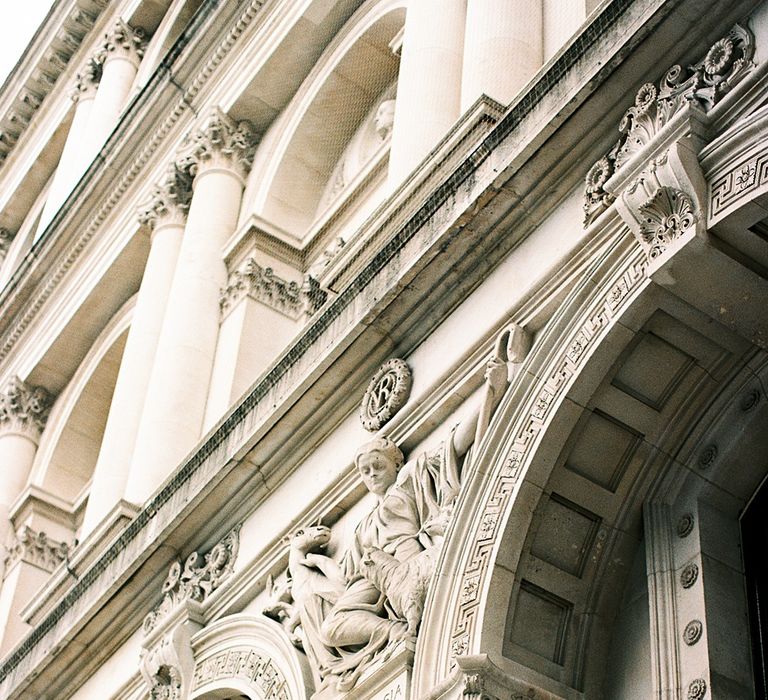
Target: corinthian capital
(169,202)
(23,408)
(87,80)
(123,41)
(223,143)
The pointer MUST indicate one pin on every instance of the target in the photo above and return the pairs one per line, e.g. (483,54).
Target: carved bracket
(168,665)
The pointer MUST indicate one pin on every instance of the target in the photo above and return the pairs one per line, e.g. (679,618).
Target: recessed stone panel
(565,535)
(540,623)
(603,450)
(652,371)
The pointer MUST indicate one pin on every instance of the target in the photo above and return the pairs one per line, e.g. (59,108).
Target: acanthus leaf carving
(88,79)
(23,408)
(124,41)
(170,199)
(263,284)
(726,62)
(196,579)
(6,238)
(665,216)
(36,548)
(223,142)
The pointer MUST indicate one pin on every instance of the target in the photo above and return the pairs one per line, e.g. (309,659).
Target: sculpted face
(377,471)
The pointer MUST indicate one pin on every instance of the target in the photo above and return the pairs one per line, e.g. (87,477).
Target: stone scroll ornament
(358,609)
(387,393)
(704,84)
(196,579)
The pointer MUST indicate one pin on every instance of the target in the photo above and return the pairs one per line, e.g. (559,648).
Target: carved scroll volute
(664,205)
(167,663)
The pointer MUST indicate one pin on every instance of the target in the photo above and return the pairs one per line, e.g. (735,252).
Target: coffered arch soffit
(615,405)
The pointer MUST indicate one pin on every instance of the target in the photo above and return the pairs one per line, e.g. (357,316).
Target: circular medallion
(386,394)
(685,525)
(708,456)
(750,400)
(697,689)
(692,632)
(689,574)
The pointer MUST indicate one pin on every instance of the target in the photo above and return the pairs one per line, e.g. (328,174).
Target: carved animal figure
(280,607)
(312,572)
(403,583)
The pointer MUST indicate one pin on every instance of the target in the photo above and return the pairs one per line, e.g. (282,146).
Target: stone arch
(250,655)
(70,443)
(297,157)
(551,519)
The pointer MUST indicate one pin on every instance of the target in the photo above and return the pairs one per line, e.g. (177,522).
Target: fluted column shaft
(166,216)
(429,84)
(73,159)
(23,411)
(174,409)
(502,48)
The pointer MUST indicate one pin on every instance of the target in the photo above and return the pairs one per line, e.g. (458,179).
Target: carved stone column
(165,215)
(502,48)
(23,411)
(121,52)
(220,155)
(429,86)
(74,158)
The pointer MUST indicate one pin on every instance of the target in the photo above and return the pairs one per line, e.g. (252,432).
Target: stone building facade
(393,349)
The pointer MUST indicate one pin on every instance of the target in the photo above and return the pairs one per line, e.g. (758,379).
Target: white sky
(16,30)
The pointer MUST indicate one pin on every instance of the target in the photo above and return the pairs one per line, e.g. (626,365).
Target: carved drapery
(36,548)
(703,84)
(196,579)
(23,408)
(170,199)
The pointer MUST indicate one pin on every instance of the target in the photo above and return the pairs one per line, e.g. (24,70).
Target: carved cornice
(18,111)
(262,284)
(705,84)
(222,143)
(37,549)
(123,41)
(6,238)
(87,80)
(170,200)
(23,408)
(196,579)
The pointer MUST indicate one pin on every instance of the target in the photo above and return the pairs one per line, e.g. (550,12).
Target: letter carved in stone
(196,579)
(703,84)
(386,394)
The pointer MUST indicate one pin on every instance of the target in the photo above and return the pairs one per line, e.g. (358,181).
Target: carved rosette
(36,548)
(88,79)
(196,579)
(262,284)
(170,200)
(665,217)
(23,408)
(386,394)
(123,41)
(223,143)
(727,62)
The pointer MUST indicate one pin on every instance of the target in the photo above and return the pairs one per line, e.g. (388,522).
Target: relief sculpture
(360,610)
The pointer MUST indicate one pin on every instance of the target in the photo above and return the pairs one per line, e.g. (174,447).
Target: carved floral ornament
(23,408)
(222,142)
(170,200)
(196,579)
(387,393)
(123,41)
(705,83)
(36,548)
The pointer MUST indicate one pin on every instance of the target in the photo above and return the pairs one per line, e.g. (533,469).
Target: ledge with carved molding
(36,548)
(263,285)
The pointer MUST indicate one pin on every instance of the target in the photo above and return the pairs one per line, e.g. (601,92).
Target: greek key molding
(196,579)
(35,548)
(725,64)
(485,529)
(737,184)
(245,663)
(23,408)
